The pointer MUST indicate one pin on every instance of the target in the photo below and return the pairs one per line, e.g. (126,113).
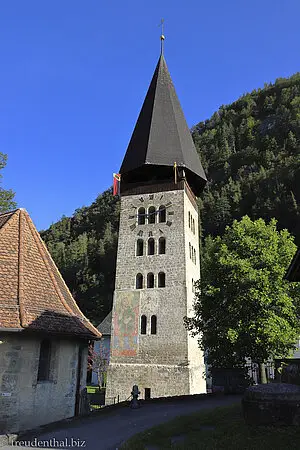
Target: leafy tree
(6,196)
(243,306)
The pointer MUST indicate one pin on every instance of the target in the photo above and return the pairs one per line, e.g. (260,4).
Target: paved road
(109,431)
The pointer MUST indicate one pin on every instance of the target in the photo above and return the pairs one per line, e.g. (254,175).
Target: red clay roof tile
(33,294)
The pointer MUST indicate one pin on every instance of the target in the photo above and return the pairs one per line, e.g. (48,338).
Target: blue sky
(74,75)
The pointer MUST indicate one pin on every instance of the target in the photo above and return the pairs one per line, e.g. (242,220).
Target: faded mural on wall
(126,324)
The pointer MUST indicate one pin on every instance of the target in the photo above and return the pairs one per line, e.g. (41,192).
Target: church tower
(158,254)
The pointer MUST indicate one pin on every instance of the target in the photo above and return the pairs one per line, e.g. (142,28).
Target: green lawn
(223,428)
(92,389)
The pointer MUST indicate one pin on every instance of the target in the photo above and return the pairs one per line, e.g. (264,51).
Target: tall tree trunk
(263,376)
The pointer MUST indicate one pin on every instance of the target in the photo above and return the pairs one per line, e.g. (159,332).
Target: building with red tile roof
(43,334)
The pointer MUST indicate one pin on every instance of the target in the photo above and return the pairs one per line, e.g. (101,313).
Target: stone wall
(169,362)
(25,402)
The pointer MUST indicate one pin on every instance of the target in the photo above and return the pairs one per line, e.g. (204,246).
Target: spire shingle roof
(161,135)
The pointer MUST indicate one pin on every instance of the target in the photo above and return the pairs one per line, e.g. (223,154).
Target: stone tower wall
(169,362)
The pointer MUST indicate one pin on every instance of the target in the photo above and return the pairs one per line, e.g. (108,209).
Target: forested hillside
(250,151)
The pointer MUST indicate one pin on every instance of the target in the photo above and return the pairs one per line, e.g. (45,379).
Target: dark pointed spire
(161,135)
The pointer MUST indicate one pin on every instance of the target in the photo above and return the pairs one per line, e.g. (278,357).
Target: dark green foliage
(84,248)
(6,196)
(244,307)
(251,153)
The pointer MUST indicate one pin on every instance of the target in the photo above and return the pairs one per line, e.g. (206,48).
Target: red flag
(116,185)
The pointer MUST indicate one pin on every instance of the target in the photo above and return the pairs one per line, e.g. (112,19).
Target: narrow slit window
(189,220)
(151,246)
(150,280)
(151,214)
(190,248)
(194,256)
(162,246)
(141,216)
(143,324)
(140,247)
(193,285)
(44,361)
(162,214)
(139,281)
(153,325)
(161,279)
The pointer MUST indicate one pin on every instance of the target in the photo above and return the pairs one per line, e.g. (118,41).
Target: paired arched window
(192,253)
(151,214)
(153,325)
(141,216)
(162,246)
(150,280)
(140,247)
(161,279)
(192,225)
(139,281)
(151,246)
(162,214)
(143,324)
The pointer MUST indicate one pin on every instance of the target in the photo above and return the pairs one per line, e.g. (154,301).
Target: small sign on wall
(5,394)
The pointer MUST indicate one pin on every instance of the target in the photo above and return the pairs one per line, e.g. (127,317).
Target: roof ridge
(171,97)
(154,97)
(11,214)
(20,270)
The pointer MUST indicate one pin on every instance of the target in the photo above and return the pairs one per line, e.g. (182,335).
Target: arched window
(150,280)
(161,245)
(194,226)
(141,216)
(162,213)
(151,246)
(139,247)
(139,281)
(189,220)
(161,279)
(153,324)
(44,360)
(143,324)
(151,214)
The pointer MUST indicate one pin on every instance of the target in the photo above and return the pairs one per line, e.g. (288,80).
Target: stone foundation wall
(26,403)
(162,381)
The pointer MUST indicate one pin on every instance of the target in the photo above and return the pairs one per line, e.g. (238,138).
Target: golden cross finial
(162,37)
